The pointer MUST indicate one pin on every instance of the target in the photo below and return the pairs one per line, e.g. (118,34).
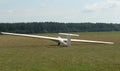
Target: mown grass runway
(32,54)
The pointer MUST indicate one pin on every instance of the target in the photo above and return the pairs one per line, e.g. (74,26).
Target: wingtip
(111,43)
(1,32)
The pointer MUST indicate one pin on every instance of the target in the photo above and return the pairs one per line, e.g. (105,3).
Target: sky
(107,11)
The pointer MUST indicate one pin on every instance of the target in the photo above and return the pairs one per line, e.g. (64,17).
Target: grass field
(32,54)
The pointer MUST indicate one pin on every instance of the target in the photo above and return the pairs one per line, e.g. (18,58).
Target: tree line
(56,27)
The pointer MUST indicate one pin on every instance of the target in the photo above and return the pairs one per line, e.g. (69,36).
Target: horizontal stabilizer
(69,34)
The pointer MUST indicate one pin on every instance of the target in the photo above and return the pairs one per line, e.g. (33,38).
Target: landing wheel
(58,43)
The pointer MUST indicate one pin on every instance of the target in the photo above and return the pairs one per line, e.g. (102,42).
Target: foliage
(55,27)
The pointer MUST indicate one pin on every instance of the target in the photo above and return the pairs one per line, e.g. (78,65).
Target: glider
(65,41)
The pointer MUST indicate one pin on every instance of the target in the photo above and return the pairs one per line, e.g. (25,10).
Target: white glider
(65,41)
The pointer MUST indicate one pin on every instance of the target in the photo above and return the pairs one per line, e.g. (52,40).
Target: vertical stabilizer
(69,40)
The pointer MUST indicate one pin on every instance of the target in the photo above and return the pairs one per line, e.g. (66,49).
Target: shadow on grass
(56,46)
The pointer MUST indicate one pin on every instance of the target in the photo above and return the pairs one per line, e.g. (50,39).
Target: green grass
(32,54)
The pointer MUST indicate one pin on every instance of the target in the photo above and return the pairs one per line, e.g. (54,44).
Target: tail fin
(68,40)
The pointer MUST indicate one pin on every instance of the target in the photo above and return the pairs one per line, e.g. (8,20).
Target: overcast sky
(107,11)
